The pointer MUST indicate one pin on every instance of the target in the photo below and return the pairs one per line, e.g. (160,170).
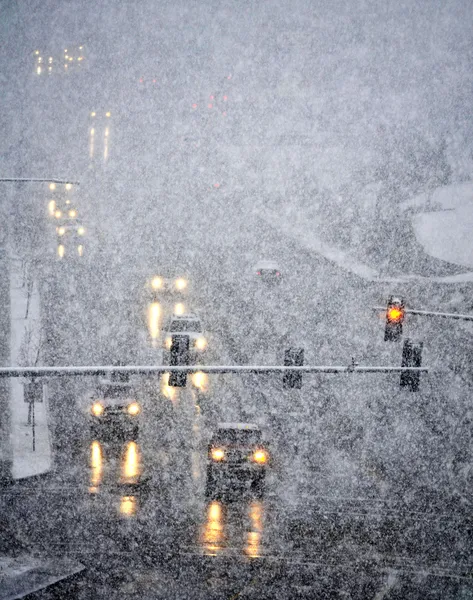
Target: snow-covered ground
(25,347)
(443,229)
(444,221)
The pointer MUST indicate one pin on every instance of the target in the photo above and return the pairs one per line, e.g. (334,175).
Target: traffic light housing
(293,357)
(411,357)
(179,356)
(395,312)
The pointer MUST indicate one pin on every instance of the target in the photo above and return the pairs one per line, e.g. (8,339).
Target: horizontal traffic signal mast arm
(212,369)
(427,313)
(35,180)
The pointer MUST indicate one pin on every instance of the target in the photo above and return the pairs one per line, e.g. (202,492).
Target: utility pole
(6,454)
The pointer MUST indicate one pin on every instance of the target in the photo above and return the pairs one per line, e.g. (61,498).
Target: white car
(189,325)
(113,409)
(268,271)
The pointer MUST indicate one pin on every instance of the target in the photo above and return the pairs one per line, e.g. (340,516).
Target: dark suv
(237,457)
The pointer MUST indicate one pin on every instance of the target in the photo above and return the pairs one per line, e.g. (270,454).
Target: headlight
(181,284)
(168,342)
(97,409)
(157,283)
(133,409)
(80,231)
(58,214)
(72,214)
(217,454)
(260,457)
(61,230)
(200,343)
(179,308)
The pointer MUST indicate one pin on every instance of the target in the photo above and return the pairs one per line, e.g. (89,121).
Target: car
(70,240)
(113,410)
(268,271)
(236,456)
(176,286)
(187,324)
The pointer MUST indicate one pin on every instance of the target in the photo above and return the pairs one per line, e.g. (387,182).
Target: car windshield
(222,198)
(243,437)
(186,325)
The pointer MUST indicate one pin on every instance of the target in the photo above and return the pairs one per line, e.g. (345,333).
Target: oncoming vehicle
(190,325)
(168,286)
(70,240)
(237,456)
(268,271)
(114,412)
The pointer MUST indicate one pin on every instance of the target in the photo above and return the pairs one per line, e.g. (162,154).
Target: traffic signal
(179,356)
(394,319)
(293,357)
(411,357)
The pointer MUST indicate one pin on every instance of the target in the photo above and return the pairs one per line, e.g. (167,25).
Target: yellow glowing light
(51,208)
(253,539)
(70,58)
(166,390)
(108,114)
(96,463)
(213,533)
(217,454)
(36,52)
(133,409)
(154,319)
(201,381)
(68,186)
(92,114)
(50,59)
(68,202)
(260,457)
(40,59)
(60,251)
(61,230)
(201,343)
(50,69)
(80,250)
(107,131)
(72,213)
(395,314)
(179,309)
(52,186)
(168,342)
(97,409)
(128,506)
(157,283)
(181,284)
(80,230)
(38,71)
(58,215)
(81,47)
(131,467)
(79,58)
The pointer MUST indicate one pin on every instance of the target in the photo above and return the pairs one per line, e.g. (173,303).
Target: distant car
(188,324)
(70,239)
(114,412)
(268,271)
(161,285)
(237,455)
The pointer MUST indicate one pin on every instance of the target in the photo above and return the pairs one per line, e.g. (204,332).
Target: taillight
(258,272)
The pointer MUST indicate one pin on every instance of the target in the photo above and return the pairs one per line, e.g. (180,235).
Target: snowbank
(304,234)
(25,344)
(444,222)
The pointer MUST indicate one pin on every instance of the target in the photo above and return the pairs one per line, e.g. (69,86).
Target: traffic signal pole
(106,370)
(428,313)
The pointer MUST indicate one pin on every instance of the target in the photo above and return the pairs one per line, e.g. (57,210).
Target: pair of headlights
(132,409)
(199,343)
(259,456)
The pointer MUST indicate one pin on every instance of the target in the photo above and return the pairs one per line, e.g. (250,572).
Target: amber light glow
(217,454)
(395,314)
(260,457)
